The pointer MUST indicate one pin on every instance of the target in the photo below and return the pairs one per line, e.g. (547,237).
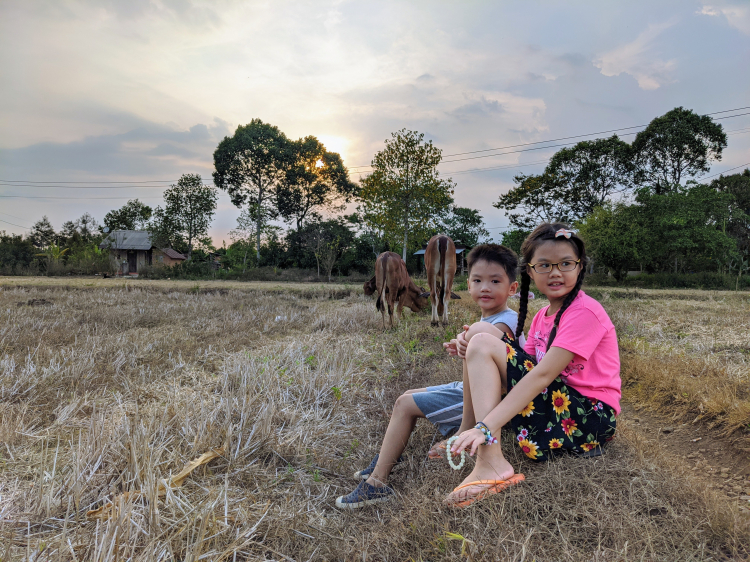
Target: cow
(393,285)
(440,263)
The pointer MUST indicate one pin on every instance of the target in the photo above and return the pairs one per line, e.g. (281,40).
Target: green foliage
(678,145)
(134,215)
(42,234)
(250,166)
(514,238)
(189,208)
(315,179)
(464,225)
(738,223)
(404,196)
(16,254)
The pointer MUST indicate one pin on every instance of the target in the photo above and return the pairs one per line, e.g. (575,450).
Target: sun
(335,144)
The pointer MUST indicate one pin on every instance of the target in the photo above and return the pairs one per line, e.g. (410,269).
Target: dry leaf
(112,509)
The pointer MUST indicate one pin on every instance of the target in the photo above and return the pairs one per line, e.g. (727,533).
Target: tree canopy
(189,208)
(674,147)
(250,165)
(133,215)
(465,225)
(405,196)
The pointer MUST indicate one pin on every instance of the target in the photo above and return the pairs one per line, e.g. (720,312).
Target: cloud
(637,59)
(737,16)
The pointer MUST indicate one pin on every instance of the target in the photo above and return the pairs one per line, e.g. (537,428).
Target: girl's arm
(528,388)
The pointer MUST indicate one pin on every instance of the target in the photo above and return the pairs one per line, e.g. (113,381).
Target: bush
(701,280)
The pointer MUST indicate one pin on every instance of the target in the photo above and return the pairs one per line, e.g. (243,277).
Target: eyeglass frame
(552,265)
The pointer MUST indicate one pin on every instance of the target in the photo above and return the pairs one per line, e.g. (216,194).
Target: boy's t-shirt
(509,317)
(586,331)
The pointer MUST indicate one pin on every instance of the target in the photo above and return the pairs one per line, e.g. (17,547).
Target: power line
(562,138)
(14,224)
(725,171)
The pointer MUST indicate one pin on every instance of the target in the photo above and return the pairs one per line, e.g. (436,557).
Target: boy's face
(490,287)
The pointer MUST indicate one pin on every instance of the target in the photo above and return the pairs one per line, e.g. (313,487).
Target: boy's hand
(461,343)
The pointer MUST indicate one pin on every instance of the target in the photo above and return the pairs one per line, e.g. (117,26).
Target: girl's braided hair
(542,233)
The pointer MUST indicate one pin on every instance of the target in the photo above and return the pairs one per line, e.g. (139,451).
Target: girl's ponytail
(567,302)
(524,305)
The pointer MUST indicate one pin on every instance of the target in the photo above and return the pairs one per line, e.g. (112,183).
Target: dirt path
(723,460)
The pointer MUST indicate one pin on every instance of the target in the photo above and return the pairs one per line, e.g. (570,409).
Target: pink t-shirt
(586,331)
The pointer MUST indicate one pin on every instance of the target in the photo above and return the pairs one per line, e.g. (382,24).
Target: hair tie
(564,232)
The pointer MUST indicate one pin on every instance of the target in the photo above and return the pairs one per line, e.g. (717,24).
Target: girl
(563,386)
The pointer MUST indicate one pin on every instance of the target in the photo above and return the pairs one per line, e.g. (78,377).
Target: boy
(492,280)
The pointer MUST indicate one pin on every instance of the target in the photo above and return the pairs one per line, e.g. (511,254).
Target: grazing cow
(440,263)
(393,285)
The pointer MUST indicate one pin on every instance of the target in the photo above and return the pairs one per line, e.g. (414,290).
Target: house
(131,250)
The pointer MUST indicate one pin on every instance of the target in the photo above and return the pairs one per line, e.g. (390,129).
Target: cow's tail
(442,249)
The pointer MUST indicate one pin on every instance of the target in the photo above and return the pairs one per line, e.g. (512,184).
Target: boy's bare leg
(486,365)
(403,419)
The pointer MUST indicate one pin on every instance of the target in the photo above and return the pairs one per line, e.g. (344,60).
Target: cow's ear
(455,296)
(425,294)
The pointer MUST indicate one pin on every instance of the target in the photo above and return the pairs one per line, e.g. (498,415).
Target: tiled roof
(174,254)
(127,240)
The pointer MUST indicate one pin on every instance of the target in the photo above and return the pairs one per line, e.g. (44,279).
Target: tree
(536,198)
(316,179)
(514,238)
(189,208)
(42,234)
(134,215)
(738,224)
(323,243)
(244,233)
(465,225)
(576,181)
(405,195)
(86,225)
(590,173)
(249,166)
(676,146)
(614,237)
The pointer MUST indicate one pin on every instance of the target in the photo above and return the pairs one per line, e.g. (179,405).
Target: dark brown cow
(393,285)
(440,263)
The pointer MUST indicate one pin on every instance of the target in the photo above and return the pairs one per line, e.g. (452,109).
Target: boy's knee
(481,343)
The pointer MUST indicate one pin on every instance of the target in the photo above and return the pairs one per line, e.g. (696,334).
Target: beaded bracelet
(488,439)
(448,444)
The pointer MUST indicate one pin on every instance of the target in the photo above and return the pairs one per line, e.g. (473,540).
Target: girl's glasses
(567,265)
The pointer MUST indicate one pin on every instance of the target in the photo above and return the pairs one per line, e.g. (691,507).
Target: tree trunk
(403,257)
(258,219)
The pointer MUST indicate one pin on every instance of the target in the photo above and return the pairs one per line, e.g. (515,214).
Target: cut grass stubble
(113,390)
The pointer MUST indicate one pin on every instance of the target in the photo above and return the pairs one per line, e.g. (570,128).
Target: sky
(132,91)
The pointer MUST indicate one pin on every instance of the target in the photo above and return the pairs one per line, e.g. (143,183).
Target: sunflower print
(568,420)
(560,402)
(529,448)
(528,410)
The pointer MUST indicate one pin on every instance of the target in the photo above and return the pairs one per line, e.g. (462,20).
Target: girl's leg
(468,421)
(403,419)
(486,364)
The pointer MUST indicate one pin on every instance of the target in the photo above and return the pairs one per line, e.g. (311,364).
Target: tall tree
(249,166)
(133,215)
(676,146)
(189,209)
(590,172)
(536,198)
(738,224)
(42,234)
(405,195)
(465,225)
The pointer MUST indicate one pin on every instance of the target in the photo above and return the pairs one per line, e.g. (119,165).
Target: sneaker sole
(342,505)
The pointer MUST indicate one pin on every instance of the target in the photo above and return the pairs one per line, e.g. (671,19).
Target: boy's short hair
(495,253)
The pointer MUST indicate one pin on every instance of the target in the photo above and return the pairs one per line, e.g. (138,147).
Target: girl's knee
(481,344)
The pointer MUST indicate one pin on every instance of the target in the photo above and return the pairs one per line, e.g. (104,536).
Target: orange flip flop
(438,450)
(492,487)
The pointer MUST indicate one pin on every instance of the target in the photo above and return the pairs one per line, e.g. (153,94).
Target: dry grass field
(109,388)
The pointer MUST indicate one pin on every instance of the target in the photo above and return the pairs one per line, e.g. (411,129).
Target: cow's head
(416,300)
(370,286)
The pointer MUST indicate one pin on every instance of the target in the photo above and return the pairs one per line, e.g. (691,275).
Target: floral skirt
(558,419)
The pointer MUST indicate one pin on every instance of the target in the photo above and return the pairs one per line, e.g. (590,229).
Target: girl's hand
(469,440)
(461,343)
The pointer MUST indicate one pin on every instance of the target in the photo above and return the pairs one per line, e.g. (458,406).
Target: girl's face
(555,284)
(490,287)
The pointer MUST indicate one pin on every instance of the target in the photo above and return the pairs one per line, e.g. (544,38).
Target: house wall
(160,258)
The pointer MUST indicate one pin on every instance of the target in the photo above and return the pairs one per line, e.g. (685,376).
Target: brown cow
(393,284)
(440,263)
